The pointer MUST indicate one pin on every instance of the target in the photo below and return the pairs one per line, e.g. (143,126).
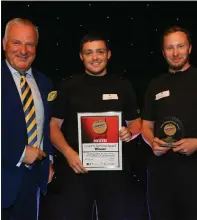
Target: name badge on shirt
(162,95)
(110,96)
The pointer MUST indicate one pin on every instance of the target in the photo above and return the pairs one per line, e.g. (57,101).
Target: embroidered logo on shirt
(162,95)
(110,96)
(52,95)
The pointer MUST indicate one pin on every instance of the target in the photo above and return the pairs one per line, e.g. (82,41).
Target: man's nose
(94,56)
(23,49)
(175,52)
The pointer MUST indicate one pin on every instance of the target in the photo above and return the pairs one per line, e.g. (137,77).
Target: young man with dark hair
(83,190)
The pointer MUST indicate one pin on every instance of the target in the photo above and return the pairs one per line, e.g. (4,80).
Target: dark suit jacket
(14,135)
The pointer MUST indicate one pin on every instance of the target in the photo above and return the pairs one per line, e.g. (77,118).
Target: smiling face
(95,56)
(20,46)
(176,50)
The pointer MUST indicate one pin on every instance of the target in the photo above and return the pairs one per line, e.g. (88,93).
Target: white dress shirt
(39,109)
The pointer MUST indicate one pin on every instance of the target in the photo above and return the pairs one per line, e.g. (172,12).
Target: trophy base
(169,140)
(167,145)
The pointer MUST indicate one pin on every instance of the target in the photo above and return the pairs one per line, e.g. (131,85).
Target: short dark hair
(173,29)
(93,36)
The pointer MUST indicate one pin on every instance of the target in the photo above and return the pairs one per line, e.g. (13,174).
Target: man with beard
(84,190)
(172,171)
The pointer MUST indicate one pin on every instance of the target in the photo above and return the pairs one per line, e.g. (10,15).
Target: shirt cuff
(51,158)
(21,159)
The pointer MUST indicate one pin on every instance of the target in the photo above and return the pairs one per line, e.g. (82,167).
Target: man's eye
(31,44)
(101,52)
(87,53)
(16,43)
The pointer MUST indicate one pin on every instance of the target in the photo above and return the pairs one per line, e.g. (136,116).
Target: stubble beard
(179,67)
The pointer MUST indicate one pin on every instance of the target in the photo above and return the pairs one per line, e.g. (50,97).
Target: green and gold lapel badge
(52,95)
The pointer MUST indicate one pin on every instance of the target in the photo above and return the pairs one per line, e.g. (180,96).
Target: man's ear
(190,48)
(163,54)
(109,54)
(81,57)
(4,44)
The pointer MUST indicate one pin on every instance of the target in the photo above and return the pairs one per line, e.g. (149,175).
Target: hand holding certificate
(100,147)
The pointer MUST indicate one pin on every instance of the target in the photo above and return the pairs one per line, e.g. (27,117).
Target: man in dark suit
(26,160)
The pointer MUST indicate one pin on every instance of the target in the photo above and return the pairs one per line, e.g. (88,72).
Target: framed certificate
(100,147)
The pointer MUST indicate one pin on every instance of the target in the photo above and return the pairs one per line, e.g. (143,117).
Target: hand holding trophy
(170,130)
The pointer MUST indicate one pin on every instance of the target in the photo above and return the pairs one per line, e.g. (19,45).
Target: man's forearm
(148,136)
(58,140)
(134,127)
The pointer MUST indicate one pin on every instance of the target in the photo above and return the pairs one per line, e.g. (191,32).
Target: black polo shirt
(174,94)
(84,93)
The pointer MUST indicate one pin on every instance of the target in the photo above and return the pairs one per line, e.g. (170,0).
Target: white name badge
(110,96)
(162,95)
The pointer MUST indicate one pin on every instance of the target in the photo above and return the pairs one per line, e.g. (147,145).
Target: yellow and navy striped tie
(29,110)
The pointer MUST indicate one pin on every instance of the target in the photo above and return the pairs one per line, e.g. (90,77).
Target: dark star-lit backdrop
(133,30)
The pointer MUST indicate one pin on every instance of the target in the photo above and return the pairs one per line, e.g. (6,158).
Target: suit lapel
(10,92)
(8,82)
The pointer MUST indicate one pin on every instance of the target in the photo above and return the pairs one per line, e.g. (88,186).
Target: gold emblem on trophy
(99,126)
(169,129)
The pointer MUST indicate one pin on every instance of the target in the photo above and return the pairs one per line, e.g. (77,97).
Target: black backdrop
(132,28)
